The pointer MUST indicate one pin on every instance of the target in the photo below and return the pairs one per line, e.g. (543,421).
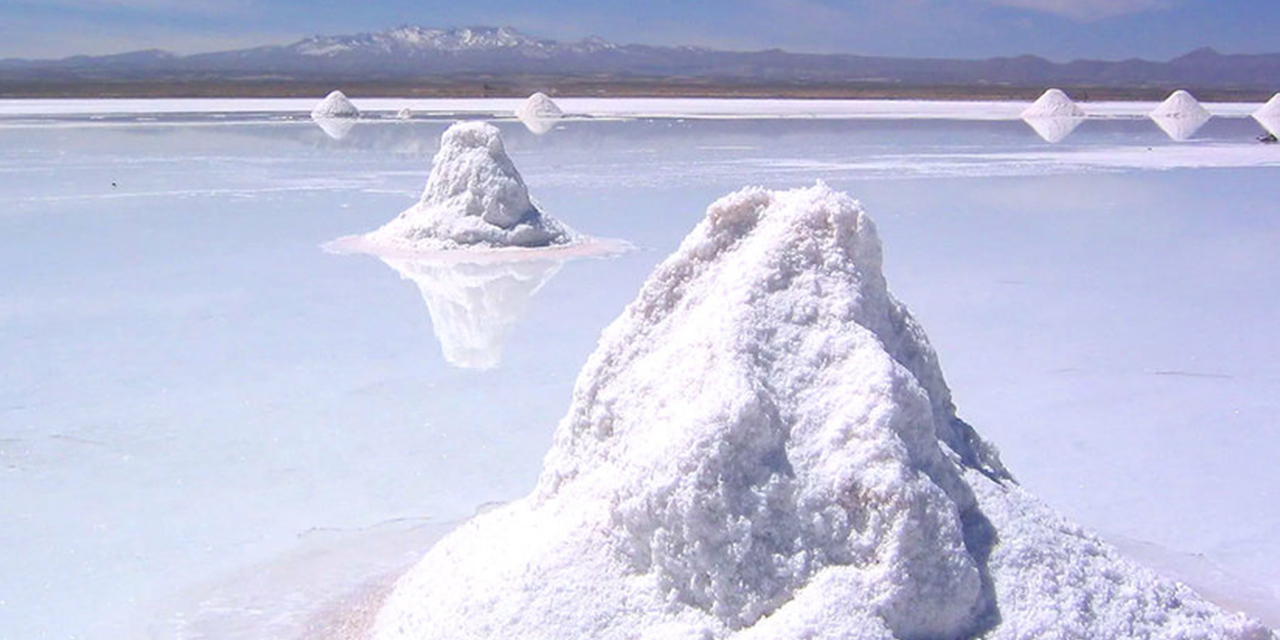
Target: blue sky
(1057,29)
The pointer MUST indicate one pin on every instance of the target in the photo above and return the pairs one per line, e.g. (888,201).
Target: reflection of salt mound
(474,197)
(1053,104)
(1053,129)
(335,105)
(1180,115)
(763,446)
(336,128)
(539,114)
(1269,115)
(474,306)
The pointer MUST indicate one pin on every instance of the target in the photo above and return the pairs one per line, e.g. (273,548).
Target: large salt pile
(1180,115)
(1269,115)
(539,113)
(763,446)
(474,197)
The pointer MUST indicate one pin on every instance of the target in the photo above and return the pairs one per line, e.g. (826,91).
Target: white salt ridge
(539,113)
(763,446)
(335,105)
(474,197)
(1053,103)
(1180,115)
(1269,115)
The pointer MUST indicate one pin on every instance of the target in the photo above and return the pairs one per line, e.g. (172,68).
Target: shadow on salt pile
(476,245)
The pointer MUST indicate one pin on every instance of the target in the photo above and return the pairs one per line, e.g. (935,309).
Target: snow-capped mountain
(414,41)
(412,54)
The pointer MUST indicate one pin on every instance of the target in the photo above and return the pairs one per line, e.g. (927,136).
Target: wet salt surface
(211,428)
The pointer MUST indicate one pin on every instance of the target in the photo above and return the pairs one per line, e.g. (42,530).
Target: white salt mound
(539,114)
(1053,104)
(1270,109)
(540,105)
(1180,115)
(1180,104)
(1269,115)
(404,113)
(474,197)
(763,447)
(335,105)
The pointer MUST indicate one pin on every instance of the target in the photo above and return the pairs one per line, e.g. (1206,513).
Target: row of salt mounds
(1180,115)
(763,447)
(1269,115)
(1053,116)
(539,113)
(474,197)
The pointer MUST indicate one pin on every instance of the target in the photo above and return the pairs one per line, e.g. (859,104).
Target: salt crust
(763,447)
(474,197)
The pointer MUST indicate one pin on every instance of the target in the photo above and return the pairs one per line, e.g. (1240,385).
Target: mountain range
(416,53)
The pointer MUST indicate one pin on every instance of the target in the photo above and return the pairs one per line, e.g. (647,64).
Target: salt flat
(201,406)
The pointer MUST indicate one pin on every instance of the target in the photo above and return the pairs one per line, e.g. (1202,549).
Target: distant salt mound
(763,446)
(404,113)
(1053,116)
(335,105)
(335,115)
(1269,115)
(474,197)
(1180,115)
(539,113)
(1053,104)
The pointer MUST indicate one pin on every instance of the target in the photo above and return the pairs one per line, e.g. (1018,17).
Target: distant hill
(409,54)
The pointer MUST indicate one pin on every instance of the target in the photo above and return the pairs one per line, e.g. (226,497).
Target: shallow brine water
(211,427)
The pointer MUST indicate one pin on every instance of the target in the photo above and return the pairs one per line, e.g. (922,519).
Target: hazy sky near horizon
(1057,29)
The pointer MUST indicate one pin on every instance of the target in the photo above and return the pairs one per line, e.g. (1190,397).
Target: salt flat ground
(210,427)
